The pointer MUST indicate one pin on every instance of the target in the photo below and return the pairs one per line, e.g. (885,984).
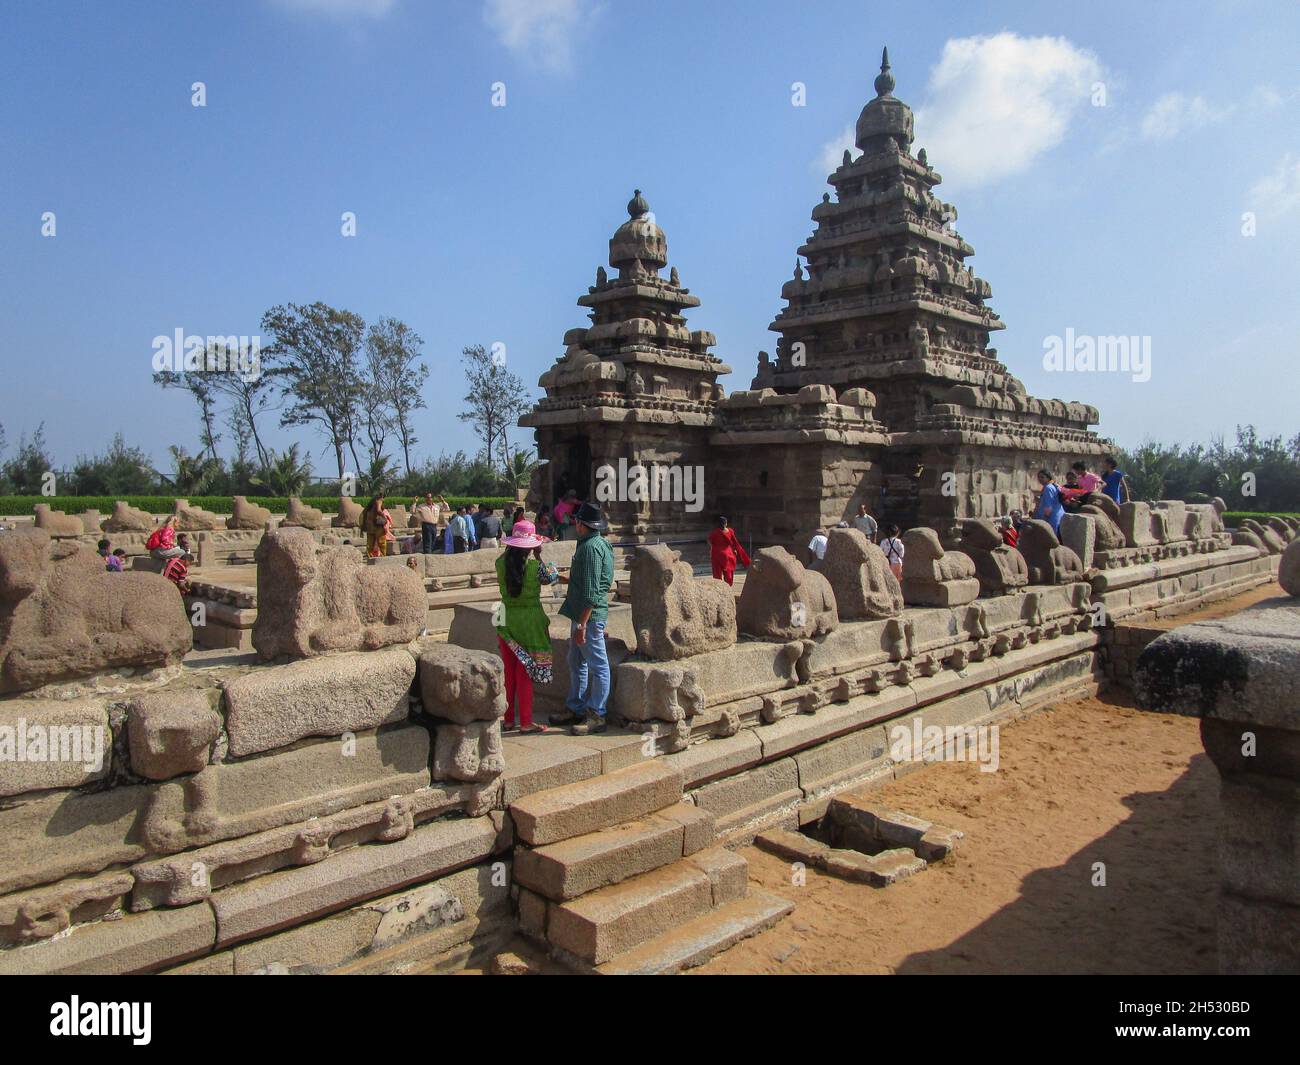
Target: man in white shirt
(866,522)
(817,547)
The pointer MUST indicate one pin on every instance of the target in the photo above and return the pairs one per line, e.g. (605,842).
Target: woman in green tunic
(523,629)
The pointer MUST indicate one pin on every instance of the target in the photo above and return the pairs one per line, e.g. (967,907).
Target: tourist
(111,561)
(428,514)
(176,570)
(471,526)
(544,527)
(1010,536)
(162,541)
(586,605)
(508,526)
(866,523)
(377,524)
(489,528)
(1072,496)
(523,634)
(117,562)
(1088,481)
(817,549)
(563,515)
(1114,482)
(725,551)
(1049,508)
(458,530)
(892,546)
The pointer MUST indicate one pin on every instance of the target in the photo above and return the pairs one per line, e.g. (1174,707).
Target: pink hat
(524,534)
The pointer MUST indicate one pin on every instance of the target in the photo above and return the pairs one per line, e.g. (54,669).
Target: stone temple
(883,389)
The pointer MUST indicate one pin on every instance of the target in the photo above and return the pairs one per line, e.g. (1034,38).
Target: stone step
(608,922)
(700,939)
(574,867)
(600,802)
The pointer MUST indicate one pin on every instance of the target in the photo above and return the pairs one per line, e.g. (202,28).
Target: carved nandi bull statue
(1049,561)
(674,613)
(62,616)
(313,599)
(465,690)
(861,580)
(783,601)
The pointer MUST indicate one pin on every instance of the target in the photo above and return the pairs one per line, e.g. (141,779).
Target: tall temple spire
(884,80)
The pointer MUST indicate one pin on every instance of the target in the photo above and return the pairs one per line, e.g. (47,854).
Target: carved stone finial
(798,270)
(636,206)
(848,157)
(884,80)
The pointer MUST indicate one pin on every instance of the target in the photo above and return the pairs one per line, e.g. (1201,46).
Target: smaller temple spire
(636,206)
(884,80)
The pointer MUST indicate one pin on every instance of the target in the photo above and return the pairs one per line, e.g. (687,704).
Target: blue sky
(482,224)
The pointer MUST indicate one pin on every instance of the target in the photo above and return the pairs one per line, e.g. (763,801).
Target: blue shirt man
(1050,508)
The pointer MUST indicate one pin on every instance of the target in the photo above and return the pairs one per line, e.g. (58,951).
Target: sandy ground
(1088,781)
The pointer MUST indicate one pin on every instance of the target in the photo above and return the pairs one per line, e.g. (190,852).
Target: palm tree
(284,474)
(519,470)
(192,474)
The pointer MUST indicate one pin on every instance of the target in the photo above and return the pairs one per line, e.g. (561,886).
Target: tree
(397,377)
(247,393)
(27,469)
(519,469)
(193,474)
(121,470)
(496,398)
(199,385)
(314,357)
(285,475)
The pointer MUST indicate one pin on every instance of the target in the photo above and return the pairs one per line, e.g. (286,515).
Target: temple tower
(636,388)
(889,304)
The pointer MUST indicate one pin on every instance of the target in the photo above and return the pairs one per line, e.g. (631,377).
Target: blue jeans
(429,537)
(588,670)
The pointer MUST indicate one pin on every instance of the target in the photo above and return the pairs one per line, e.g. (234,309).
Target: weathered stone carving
(1135,523)
(465,689)
(999,568)
(470,752)
(1109,535)
(128,519)
(783,601)
(192,517)
(1273,543)
(171,733)
(313,599)
(461,685)
(246,515)
(299,515)
(56,522)
(1048,560)
(860,578)
(349,515)
(674,613)
(62,616)
(933,576)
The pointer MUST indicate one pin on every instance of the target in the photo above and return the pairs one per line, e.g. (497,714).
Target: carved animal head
(474,680)
(1037,535)
(777,567)
(653,566)
(922,545)
(980,534)
(290,550)
(24,557)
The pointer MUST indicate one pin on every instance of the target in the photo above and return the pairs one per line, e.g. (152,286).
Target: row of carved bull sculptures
(676,615)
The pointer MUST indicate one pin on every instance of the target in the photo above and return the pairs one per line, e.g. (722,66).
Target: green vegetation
(153,504)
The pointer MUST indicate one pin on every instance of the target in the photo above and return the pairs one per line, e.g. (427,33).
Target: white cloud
(341,8)
(541,32)
(994,104)
(832,153)
(1277,193)
(1175,113)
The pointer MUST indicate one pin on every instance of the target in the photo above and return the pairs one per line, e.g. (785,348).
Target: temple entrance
(575,472)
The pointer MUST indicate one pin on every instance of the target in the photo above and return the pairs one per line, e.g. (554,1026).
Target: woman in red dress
(725,551)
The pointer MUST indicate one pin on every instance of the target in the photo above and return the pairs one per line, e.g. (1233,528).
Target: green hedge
(1233,517)
(17,505)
